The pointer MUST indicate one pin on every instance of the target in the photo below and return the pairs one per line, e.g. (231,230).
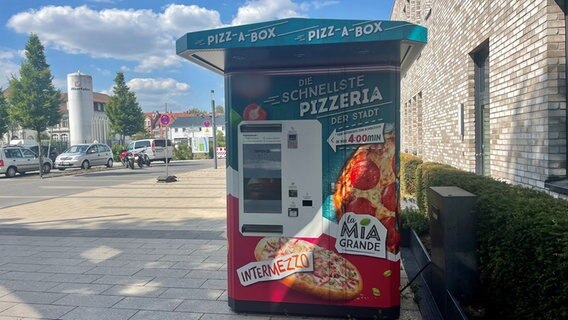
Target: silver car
(85,156)
(17,159)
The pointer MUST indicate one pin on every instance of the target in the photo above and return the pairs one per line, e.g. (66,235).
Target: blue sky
(137,37)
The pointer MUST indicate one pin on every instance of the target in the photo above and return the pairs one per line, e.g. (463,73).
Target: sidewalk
(136,251)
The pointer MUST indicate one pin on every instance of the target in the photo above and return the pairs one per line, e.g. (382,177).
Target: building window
(99,106)
(65,123)
(64,137)
(147,123)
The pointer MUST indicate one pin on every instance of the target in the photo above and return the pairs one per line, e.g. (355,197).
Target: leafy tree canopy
(196,111)
(124,113)
(4,121)
(33,98)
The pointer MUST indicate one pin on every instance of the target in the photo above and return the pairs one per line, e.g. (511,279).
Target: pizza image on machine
(367,185)
(333,277)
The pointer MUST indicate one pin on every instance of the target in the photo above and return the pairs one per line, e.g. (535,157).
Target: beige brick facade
(526,123)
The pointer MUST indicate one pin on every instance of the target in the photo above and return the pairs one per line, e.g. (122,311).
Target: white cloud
(321,4)
(180,19)
(152,93)
(263,10)
(161,86)
(143,36)
(10,61)
(102,71)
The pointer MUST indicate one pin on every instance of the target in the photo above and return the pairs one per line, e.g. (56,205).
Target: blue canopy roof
(299,42)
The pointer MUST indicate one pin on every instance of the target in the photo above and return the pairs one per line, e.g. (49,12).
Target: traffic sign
(165,119)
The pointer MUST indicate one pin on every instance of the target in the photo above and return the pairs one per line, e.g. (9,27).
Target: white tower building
(80,106)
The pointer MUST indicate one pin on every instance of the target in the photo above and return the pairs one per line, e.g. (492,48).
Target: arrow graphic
(363,135)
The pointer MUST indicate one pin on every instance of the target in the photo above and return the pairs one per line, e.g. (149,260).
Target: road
(31,188)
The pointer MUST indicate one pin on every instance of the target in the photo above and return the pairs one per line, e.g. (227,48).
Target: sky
(137,37)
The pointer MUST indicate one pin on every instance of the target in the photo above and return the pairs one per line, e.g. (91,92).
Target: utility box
(452,213)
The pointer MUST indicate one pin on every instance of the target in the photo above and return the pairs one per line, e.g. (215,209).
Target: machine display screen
(262,178)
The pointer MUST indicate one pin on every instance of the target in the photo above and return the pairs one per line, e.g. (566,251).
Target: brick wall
(527,74)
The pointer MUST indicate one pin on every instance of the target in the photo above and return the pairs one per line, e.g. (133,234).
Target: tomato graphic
(364,175)
(393,236)
(254,112)
(388,197)
(361,206)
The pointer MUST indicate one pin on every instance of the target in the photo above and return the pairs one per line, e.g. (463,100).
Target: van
(154,148)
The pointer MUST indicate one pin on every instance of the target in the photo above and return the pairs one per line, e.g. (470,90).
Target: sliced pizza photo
(334,277)
(367,185)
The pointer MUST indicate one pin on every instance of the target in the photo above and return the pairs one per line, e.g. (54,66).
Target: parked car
(32,145)
(53,153)
(85,156)
(155,148)
(17,159)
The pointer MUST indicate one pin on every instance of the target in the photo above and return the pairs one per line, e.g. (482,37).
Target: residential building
(188,129)
(152,121)
(61,132)
(488,93)
(100,122)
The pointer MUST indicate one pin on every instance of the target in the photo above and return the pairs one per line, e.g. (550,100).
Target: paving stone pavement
(143,250)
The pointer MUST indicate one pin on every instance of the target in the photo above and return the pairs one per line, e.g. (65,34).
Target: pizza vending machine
(312,162)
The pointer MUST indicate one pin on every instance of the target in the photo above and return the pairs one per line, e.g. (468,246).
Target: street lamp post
(166,143)
(214,128)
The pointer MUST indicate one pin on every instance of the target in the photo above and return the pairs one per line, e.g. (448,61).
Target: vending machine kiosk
(312,111)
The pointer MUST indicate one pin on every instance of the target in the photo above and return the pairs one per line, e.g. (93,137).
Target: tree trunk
(39,151)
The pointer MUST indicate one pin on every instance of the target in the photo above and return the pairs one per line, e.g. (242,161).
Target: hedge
(522,244)
(408,164)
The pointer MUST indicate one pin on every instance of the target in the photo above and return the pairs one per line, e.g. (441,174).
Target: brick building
(488,93)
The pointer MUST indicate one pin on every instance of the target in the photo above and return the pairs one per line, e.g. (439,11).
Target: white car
(17,159)
(155,148)
(85,156)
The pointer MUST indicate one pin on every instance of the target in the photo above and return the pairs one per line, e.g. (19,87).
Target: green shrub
(201,156)
(424,175)
(408,165)
(182,152)
(116,150)
(414,219)
(522,244)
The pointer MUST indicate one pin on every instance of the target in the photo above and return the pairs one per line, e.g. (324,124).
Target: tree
(219,109)
(33,98)
(4,120)
(196,111)
(220,139)
(123,111)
